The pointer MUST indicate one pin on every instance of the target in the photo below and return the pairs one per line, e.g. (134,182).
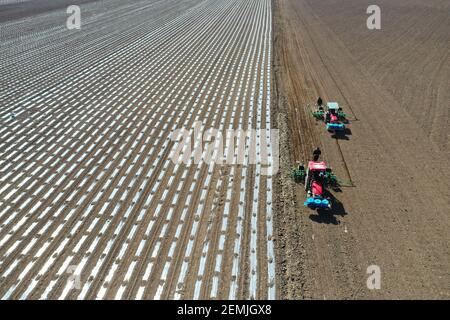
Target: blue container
(335,126)
(308,202)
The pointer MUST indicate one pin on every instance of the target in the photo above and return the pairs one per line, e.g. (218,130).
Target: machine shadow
(329,216)
(342,135)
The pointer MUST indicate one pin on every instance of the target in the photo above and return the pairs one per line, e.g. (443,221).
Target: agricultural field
(393,83)
(147,153)
(88,189)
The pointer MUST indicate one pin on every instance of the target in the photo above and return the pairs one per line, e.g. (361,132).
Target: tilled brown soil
(408,57)
(396,215)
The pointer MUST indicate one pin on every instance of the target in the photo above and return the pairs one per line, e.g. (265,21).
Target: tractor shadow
(329,216)
(342,135)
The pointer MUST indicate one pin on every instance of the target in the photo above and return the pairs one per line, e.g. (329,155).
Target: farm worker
(319,101)
(327,116)
(316,154)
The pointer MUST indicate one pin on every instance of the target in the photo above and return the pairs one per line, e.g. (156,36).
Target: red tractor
(333,117)
(317,177)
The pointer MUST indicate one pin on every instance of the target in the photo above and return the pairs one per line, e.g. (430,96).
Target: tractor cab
(333,106)
(317,166)
(316,172)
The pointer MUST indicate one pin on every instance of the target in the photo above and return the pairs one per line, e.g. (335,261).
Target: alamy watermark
(199,145)
(74,19)
(74,277)
(374,279)
(374,20)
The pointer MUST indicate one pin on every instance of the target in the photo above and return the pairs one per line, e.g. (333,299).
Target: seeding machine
(333,116)
(316,177)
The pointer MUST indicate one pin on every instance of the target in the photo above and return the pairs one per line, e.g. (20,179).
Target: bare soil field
(394,82)
(409,56)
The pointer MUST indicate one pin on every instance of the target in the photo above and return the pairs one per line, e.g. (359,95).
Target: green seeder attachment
(335,182)
(318,114)
(331,178)
(342,115)
(298,173)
